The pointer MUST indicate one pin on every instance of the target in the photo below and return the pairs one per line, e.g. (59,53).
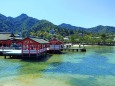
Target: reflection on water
(93,68)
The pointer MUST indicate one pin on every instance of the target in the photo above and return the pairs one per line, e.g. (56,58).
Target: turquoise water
(96,67)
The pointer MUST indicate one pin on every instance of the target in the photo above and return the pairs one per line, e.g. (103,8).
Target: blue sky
(84,13)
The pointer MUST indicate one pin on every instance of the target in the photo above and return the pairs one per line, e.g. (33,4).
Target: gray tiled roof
(42,41)
(5,36)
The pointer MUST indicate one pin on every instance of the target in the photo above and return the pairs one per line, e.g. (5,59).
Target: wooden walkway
(18,53)
(74,49)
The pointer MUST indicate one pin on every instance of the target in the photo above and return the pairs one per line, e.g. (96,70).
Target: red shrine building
(55,45)
(5,39)
(33,46)
(28,46)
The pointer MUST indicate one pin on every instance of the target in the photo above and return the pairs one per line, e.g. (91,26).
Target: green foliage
(72,38)
(103,37)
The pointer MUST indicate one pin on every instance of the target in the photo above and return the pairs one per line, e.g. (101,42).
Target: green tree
(72,38)
(103,37)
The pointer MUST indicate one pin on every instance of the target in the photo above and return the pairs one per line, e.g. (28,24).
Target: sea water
(95,67)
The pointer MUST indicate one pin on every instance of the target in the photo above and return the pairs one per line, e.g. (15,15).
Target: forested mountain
(31,26)
(5,24)
(102,29)
(16,24)
(97,29)
(68,26)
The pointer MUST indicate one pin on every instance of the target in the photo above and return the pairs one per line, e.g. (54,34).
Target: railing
(35,51)
(10,48)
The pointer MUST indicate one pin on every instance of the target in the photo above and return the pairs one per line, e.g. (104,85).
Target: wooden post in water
(10,57)
(36,56)
(22,55)
(83,46)
(29,55)
(5,56)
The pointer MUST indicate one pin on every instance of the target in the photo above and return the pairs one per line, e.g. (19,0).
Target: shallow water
(96,67)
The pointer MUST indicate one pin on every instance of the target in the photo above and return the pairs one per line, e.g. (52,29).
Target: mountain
(68,26)
(29,25)
(102,29)
(5,24)
(9,24)
(97,29)
(23,22)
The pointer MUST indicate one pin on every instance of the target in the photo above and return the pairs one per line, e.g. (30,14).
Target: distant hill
(68,26)
(27,25)
(24,22)
(9,24)
(97,29)
(18,23)
(5,24)
(102,29)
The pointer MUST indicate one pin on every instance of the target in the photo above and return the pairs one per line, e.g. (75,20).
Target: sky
(83,13)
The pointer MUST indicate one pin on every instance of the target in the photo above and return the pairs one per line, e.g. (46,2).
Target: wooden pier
(74,49)
(18,54)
